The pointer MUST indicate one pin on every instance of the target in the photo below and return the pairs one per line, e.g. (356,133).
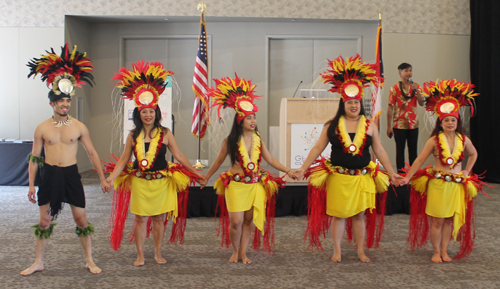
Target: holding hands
(397,180)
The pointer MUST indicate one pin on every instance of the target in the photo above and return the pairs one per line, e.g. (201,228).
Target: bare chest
(65,135)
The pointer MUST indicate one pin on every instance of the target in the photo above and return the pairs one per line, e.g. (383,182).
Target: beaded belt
(156,175)
(449,177)
(246,179)
(352,172)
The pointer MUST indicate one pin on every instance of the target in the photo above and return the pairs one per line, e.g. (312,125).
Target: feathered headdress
(445,97)
(349,77)
(236,93)
(143,84)
(63,72)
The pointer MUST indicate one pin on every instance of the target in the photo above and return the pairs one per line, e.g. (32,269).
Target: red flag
(377,89)
(200,85)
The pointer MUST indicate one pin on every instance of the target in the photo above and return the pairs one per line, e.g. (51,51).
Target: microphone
(411,81)
(297,89)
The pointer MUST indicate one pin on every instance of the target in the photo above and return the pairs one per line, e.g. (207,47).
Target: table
(13,163)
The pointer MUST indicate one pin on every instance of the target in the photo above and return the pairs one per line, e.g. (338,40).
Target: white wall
(23,102)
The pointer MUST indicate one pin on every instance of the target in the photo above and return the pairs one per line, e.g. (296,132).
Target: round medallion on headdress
(146,97)
(447,107)
(351,90)
(449,160)
(65,86)
(245,105)
(352,148)
(251,166)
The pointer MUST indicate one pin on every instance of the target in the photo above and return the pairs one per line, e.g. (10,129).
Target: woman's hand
(404,181)
(298,174)
(396,179)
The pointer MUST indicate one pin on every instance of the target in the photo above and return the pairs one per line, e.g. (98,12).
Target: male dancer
(59,136)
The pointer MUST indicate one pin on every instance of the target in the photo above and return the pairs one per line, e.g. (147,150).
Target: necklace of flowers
(447,158)
(353,147)
(249,159)
(403,92)
(147,159)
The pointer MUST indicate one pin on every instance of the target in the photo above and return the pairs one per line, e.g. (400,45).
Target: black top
(339,158)
(160,162)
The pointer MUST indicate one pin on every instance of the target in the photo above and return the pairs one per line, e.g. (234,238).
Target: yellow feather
(420,183)
(471,190)
(181,180)
(219,187)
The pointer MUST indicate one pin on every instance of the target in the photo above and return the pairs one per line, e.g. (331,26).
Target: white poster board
(165,104)
(303,137)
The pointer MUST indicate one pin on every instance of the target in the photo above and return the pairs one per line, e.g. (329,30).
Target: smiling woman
(152,186)
(343,189)
(445,193)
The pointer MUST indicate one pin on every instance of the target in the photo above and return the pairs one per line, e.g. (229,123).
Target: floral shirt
(405,110)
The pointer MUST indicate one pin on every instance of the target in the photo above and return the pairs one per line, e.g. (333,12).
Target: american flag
(200,85)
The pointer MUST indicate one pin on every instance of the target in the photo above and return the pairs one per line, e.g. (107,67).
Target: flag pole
(198,165)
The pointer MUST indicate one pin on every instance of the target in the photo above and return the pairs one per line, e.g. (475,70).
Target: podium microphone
(297,89)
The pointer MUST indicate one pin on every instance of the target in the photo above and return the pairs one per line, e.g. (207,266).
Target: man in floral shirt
(402,121)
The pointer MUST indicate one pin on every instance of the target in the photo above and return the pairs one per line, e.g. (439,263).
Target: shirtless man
(60,181)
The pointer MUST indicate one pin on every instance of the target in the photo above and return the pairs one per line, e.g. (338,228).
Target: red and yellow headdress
(236,93)
(349,77)
(143,84)
(63,72)
(445,97)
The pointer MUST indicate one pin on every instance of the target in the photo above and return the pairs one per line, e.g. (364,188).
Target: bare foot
(159,258)
(93,268)
(337,258)
(363,258)
(139,262)
(234,257)
(436,258)
(445,257)
(245,259)
(36,267)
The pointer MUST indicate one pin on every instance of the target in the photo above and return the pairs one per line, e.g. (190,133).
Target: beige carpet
(202,263)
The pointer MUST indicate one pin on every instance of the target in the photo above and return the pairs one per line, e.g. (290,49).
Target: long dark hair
(233,138)
(136,116)
(332,129)
(438,128)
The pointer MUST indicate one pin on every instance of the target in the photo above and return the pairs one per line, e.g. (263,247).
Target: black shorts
(60,185)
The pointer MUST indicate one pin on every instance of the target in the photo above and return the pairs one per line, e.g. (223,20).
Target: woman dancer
(153,186)
(444,192)
(248,190)
(344,186)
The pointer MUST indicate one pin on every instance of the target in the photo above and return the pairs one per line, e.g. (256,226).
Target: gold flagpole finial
(380,17)
(201,6)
